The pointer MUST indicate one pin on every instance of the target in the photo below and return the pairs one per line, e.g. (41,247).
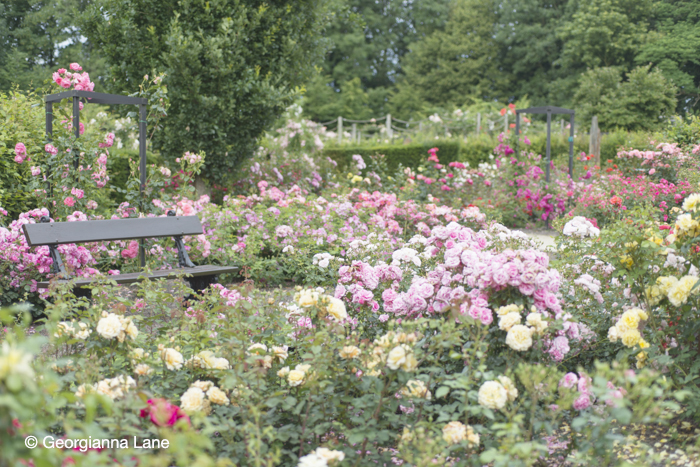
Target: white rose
(397,357)
(510,388)
(142,369)
(336,308)
(281,353)
(192,400)
(109,327)
(312,460)
(172,358)
(519,338)
(330,455)
(493,395)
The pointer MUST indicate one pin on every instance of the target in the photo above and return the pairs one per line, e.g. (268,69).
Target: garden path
(545,237)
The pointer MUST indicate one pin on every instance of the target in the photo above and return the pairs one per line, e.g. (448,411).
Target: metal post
(549,141)
(76,129)
(517,134)
(562,127)
(478,124)
(340,130)
(571,147)
(49,138)
(354,132)
(389,131)
(143,131)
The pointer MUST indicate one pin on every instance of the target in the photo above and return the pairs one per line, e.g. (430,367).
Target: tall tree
(36,37)
(232,66)
(454,65)
(529,44)
(369,42)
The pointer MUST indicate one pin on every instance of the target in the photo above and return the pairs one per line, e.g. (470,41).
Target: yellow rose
(631,337)
(643,344)
(193,400)
(281,353)
(172,358)
(142,369)
(510,388)
(684,223)
(454,432)
(349,352)
(416,389)
(397,357)
(504,310)
(630,318)
(336,308)
(691,203)
(282,373)
(307,297)
(295,378)
(641,360)
(680,291)
(217,396)
(509,320)
(493,395)
(535,320)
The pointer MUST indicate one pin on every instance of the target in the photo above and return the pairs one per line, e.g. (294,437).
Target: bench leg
(199,283)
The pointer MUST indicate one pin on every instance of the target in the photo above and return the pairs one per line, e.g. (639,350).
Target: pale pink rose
(569,381)
(75,67)
(583,402)
(69,201)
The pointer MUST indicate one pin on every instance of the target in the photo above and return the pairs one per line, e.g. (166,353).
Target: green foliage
(641,103)
(118,168)
(684,131)
(231,66)
(21,121)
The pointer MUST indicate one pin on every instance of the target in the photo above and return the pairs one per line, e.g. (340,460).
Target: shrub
(21,121)
(408,155)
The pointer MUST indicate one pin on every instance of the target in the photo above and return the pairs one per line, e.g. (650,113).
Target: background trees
(233,65)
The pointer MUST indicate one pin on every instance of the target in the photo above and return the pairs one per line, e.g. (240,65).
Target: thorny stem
(303,428)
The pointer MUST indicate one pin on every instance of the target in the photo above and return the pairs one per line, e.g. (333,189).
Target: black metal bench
(52,234)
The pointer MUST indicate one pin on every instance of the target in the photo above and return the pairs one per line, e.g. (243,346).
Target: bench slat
(163,274)
(114,229)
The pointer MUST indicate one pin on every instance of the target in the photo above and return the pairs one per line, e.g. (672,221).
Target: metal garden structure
(549,110)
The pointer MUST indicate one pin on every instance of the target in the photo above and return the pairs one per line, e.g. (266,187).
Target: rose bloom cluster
(322,457)
(264,357)
(200,396)
(581,227)
(467,275)
(628,331)
(72,77)
(113,326)
(114,388)
(393,350)
(585,398)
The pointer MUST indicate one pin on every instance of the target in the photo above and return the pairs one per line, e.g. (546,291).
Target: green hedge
(478,149)
(409,155)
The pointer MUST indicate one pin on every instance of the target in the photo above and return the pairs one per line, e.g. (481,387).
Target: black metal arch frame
(89,97)
(549,110)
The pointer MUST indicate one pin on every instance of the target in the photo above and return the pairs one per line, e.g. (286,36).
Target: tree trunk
(201,187)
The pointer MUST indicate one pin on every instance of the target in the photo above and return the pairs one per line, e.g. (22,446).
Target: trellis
(549,110)
(88,97)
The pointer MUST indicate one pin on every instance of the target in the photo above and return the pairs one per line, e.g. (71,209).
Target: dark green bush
(409,155)
(118,169)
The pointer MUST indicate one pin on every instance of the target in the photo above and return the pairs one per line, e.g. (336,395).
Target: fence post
(340,130)
(359,137)
(478,124)
(354,132)
(594,146)
(389,131)
(505,123)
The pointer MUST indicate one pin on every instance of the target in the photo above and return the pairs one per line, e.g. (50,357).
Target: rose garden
(381,314)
